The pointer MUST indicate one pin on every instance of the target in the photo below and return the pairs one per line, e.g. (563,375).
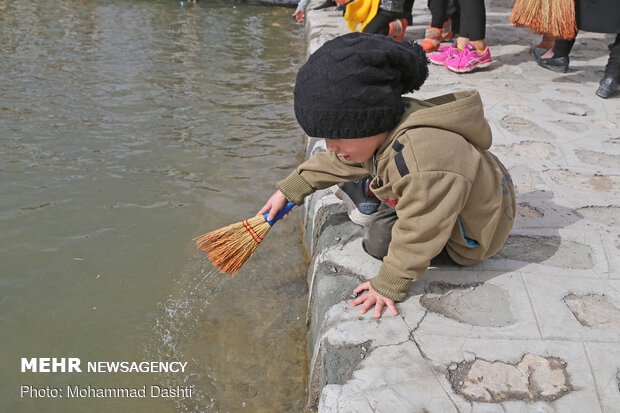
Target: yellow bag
(361,11)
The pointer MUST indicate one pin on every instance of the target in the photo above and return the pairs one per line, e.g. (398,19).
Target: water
(126,129)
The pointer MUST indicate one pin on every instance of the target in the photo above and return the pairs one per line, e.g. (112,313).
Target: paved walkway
(535,329)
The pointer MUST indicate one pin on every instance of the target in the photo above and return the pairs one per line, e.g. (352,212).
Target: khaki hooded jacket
(435,169)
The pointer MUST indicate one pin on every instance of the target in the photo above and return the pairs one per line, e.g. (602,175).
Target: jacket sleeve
(321,171)
(428,208)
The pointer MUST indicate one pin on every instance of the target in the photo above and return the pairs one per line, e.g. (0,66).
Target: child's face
(356,150)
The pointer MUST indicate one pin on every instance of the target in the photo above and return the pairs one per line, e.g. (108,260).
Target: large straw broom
(230,247)
(553,18)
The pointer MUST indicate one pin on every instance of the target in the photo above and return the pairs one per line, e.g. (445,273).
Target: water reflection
(126,129)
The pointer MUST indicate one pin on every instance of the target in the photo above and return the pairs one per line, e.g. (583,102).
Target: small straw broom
(230,247)
(553,18)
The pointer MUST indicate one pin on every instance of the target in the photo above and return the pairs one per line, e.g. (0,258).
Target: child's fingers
(378,308)
(264,209)
(367,304)
(359,300)
(273,212)
(362,287)
(392,307)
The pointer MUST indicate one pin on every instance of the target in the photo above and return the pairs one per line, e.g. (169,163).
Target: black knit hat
(351,87)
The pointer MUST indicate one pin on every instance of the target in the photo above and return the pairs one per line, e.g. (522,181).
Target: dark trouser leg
(438,12)
(613,64)
(378,235)
(562,47)
(408,7)
(609,83)
(473,19)
(380,24)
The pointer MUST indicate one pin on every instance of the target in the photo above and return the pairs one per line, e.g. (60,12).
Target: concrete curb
(536,328)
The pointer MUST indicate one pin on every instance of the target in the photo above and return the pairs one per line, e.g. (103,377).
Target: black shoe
(557,64)
(358,199)
(325,4)
(607,87)
(537,53)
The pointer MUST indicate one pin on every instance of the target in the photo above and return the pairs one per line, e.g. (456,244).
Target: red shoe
(397,29)
(432,37)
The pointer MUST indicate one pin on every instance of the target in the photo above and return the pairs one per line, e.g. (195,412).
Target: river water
(126,129)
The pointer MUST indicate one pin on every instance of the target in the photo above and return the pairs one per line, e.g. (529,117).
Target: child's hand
(299,15)
(372,298)
(274,204)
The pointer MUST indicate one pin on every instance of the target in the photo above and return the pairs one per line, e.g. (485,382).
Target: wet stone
(534,378)
(594,310)
(549,250)
(477,304)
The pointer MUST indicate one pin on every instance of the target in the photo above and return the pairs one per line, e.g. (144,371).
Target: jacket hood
(458,112)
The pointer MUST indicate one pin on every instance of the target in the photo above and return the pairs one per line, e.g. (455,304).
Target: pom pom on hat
(351,87)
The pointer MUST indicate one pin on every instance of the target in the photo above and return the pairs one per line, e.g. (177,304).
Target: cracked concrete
(534,329)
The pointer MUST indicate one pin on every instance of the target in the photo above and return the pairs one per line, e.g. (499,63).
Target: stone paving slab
(575,309)
(605,361)
(390,379)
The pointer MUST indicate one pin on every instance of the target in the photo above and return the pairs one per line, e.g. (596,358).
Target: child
(428,160)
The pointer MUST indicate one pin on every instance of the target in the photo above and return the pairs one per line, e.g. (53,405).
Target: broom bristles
(230,247)
(554,18)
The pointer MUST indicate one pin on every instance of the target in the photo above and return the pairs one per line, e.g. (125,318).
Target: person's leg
(473,22)
(561,48)
(378,235)
(609,83)
(546,43)
(473,53)
(454,12)
(408,10)
(378,232)
(380,24)
(434,33)
(438,12)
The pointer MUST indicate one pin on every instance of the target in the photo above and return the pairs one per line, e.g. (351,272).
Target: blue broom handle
(280,214)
